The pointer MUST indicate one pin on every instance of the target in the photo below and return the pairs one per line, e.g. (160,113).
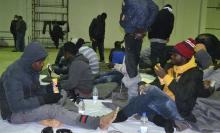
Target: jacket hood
(34,52)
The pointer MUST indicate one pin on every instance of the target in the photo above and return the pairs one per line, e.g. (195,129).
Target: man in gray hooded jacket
(79,77)
(23,99)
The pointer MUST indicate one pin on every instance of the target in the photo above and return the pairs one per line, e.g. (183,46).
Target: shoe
(47,130)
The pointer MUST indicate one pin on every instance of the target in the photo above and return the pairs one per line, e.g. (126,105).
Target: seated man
(211,71)
(23,99)
(182,83)
(79,78)
(61,66)
(89,53)
(117,53)
(212,45)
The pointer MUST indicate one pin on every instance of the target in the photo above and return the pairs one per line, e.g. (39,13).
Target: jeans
(52,111)
(113,76)
(154,101)
(132,53)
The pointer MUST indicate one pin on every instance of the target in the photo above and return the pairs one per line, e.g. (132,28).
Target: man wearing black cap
(159,35)
(23,99)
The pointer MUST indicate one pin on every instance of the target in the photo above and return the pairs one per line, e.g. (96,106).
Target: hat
(70,47)
(185,48)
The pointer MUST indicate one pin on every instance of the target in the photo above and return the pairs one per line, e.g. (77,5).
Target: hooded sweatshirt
(79,76)
(19,84)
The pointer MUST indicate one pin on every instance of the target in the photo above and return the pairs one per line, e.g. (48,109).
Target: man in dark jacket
(182,83)
(79,77)
(159,35)
(97,34)
(23,99)
(136,18)
(13,30)
(20,34)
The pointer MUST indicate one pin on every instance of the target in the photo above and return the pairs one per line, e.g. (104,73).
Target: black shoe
(47,130)
(168,127)
(165,123)
(64,131)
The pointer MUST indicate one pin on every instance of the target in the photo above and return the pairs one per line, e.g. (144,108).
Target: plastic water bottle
(95,94)
(144,121)
(82,107)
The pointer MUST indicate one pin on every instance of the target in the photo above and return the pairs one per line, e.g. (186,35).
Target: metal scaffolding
(44,11)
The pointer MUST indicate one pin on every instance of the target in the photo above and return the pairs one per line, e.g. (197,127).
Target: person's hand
(207,84)
(160,72)
(52,98)
(199,47)
(141,89)
(106,120)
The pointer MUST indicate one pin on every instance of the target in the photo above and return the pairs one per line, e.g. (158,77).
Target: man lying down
(23,99)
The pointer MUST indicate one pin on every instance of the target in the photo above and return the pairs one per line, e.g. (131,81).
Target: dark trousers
(112,76)
(159,53)
(100,45)
(20,44)
(132,54)
(15,38)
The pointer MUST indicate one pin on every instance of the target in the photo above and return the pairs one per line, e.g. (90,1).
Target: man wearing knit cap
(181,83)
(23,99)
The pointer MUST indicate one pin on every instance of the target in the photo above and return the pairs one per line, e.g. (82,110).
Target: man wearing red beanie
(172,96)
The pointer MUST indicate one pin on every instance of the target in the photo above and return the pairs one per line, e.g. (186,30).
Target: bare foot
(51,123)
(106,120)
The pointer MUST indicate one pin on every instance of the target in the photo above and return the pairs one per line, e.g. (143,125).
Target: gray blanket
(207,113)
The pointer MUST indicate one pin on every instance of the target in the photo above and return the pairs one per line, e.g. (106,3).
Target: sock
(120,117)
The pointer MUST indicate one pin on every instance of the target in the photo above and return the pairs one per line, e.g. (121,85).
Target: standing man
(20,34)
(23,99)
(136,18)
(97,34)
(159,35)
(13,30)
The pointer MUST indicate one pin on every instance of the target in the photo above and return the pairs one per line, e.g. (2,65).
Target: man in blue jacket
(136,18)
(23,99)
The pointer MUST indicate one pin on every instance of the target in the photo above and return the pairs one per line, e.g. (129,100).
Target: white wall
(190,17)
(83,11)
(8,8)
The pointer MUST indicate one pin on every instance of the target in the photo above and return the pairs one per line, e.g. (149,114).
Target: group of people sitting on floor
(191,72)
